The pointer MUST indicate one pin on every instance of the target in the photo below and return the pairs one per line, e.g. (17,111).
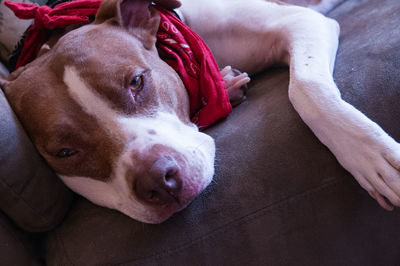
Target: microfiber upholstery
(279,197)
(16,247)
(30,193)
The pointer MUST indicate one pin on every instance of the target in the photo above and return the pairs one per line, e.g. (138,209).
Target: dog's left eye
(136,84)
(65,153)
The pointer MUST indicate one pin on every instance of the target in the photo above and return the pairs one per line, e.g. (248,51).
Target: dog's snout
(161,183)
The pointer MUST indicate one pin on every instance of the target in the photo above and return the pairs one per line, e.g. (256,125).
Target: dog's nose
(161,184)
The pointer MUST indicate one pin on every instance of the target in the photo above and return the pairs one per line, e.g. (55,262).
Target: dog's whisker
(199,145)
(213,181)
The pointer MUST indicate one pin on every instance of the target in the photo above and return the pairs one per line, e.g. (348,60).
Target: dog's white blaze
(90,101)
(139,135)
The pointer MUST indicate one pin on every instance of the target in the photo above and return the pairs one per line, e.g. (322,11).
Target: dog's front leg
(360,145)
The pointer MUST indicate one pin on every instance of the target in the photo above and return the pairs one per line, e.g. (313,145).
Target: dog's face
(112,119)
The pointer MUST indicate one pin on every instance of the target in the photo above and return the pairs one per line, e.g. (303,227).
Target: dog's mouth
(164,212)
(161,213)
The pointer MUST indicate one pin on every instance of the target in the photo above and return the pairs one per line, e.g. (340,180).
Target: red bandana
(177,44)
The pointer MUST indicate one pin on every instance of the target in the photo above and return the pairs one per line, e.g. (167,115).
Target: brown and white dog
(144,157)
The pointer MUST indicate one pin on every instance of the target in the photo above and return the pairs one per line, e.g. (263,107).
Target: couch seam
(7,185)
(61,243)
(25,202)
(335,7)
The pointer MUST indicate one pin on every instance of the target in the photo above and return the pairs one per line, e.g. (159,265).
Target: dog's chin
(162,213)
(158,214)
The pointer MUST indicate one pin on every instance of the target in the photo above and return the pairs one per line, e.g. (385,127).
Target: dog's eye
(136,84)
(65,153)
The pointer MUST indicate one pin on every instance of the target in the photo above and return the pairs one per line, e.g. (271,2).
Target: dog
(112,119)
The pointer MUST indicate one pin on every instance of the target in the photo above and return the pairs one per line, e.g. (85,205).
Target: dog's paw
(374,161)
(382,179)
(361,146)
(236,84)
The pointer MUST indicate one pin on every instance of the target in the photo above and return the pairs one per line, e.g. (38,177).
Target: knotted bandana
(177,44)
(46,18)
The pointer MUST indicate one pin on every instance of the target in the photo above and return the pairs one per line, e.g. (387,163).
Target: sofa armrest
(30,193)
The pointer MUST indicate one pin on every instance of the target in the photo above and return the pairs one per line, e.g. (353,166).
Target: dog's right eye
(136,84)
(65,153)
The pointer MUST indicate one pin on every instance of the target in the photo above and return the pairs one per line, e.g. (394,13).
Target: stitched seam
(335,7)
(249,217)
(61,243)
(24,201)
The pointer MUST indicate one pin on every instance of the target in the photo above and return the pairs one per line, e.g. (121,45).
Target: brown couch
(279,196)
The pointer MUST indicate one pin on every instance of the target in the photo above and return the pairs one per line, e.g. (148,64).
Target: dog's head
(111,118)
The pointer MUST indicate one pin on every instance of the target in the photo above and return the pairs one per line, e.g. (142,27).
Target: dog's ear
(136,16)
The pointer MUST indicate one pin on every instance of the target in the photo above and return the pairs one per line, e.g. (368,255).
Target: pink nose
(161,184)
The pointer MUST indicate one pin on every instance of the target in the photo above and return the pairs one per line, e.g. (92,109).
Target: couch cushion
(16,247)
(279,197)
(30,193)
